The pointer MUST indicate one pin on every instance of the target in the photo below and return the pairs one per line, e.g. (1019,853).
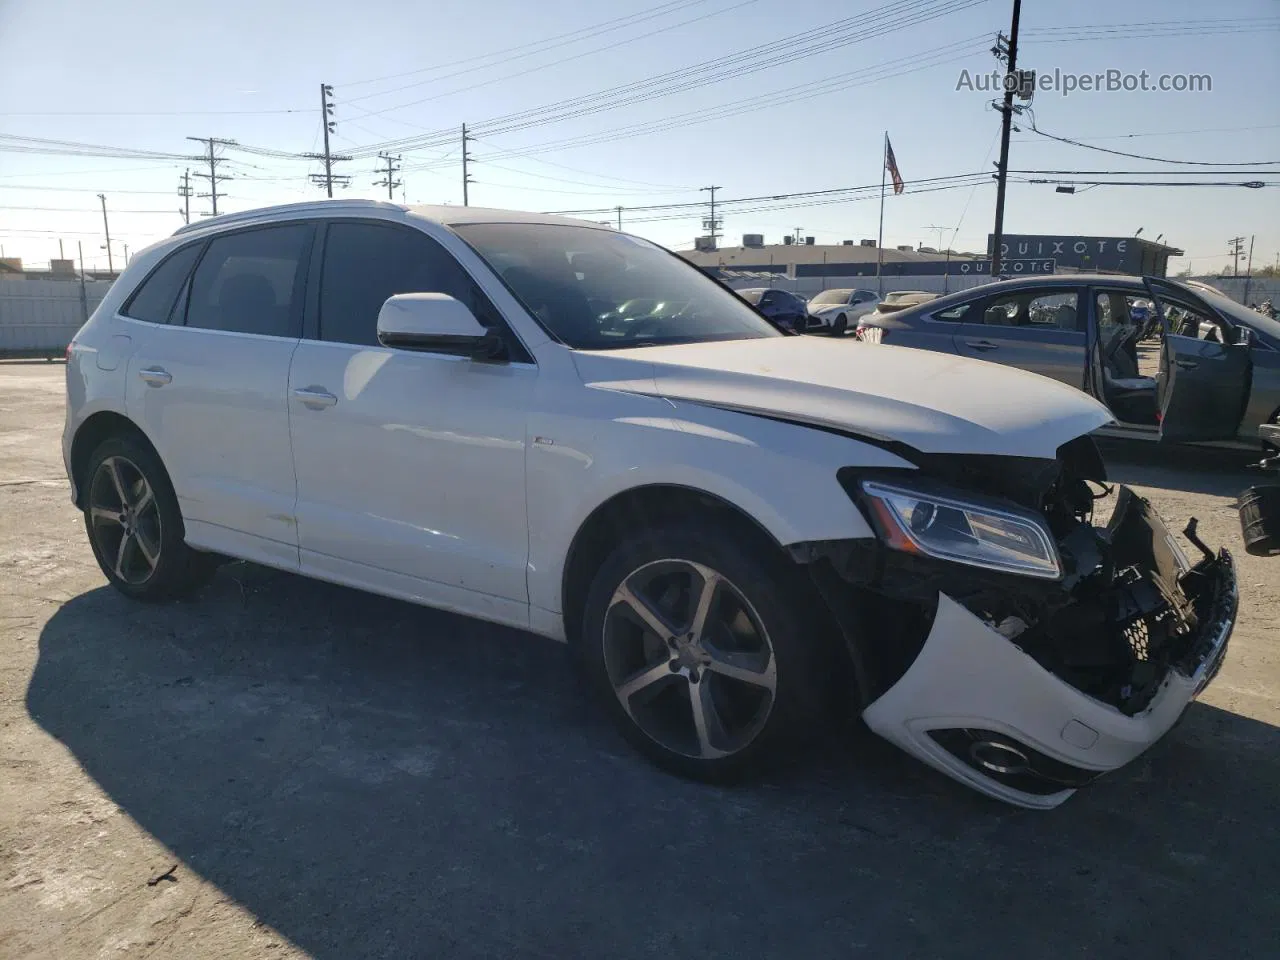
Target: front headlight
(981,535)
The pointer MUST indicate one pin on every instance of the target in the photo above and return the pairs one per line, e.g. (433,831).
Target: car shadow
(373,779)
(1215,472)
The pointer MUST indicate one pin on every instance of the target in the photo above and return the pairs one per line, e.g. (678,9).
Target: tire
(784,654)
(135,527)
(840,326)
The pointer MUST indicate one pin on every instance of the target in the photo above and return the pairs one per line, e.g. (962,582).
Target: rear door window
(252,282)
(1030,310)
(154,300)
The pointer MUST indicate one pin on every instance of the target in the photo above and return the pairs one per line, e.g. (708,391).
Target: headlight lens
(980,535)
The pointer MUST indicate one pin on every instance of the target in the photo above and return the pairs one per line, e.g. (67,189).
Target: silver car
(835,311)
(1210,373)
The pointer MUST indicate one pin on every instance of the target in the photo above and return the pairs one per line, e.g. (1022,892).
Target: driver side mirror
(437,323)
(1244,336)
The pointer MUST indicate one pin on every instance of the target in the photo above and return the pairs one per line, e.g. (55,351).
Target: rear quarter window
(154,299)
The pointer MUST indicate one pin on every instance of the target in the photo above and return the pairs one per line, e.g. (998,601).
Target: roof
(437,214)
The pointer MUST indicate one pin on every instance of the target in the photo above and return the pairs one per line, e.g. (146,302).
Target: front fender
(782,475)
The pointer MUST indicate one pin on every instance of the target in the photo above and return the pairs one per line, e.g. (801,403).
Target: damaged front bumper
(1008,713)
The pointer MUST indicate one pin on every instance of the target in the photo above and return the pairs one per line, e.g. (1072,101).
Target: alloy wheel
(689,659)
(124,519)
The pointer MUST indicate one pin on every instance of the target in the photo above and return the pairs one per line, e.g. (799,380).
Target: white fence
(38,318)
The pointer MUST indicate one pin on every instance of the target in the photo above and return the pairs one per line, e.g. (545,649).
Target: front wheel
(840,326)
(702,652)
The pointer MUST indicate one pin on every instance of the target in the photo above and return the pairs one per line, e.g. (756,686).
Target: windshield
(831,296)
(597,289)
(1239,313)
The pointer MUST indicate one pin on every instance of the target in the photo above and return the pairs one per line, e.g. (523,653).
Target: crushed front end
(1030,681)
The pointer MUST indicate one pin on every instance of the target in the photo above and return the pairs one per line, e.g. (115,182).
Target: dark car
(783,308)
(1211,373)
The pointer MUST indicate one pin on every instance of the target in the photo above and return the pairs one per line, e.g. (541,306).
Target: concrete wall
(39,317)
(1234,287)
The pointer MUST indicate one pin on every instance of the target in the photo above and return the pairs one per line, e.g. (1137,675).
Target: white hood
(933,402)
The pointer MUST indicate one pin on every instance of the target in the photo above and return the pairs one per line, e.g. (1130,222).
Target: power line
(506,53)
(534,69)
(850,30)
(1141,156)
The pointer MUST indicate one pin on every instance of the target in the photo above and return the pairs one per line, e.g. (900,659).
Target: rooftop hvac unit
(704,244)
(753,239)
(808,241)
(846,243)
(788,240)
(906,248)
(868,243)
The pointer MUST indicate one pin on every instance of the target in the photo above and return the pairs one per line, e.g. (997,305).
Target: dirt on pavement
(282,768)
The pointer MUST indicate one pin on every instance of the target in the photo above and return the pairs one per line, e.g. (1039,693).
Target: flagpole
(884,163)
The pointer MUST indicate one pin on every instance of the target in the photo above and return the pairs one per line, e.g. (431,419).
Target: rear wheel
(135,526)
(702,653)
(840,326)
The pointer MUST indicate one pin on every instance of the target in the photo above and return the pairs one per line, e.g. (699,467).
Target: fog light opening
(999,757)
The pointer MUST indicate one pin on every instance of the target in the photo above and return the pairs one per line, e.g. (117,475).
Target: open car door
(1205,367)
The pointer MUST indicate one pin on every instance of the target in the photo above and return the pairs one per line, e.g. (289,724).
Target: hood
(932,402)
(829,307)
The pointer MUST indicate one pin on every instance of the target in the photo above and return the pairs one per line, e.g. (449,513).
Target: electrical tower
(213,176)
(710,223)
(1236,248)
(466,160)
(184,191)
(328,158)
(389,174)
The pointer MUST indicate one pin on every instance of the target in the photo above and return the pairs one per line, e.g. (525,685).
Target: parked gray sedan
(1211,372)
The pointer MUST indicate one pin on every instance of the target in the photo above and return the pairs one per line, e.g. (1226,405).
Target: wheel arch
(651,503)
(89,435)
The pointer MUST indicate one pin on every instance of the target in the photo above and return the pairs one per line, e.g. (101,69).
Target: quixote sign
(1120,254)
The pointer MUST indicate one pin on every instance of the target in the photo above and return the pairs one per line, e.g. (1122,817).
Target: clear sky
(146,74)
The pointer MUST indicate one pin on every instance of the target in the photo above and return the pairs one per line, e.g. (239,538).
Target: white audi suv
(740,531)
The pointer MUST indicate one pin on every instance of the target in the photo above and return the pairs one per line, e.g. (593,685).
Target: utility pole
(84,296)
(1237,248)
(389,181)
(213,176)
(106,229)
(466,159)
(61,256)
(328,158)
(1006,122)
(126,253)
(711,224)
(619,219)
(184,191)
(1248,274)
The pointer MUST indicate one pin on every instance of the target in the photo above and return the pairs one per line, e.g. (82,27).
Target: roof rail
(245,216)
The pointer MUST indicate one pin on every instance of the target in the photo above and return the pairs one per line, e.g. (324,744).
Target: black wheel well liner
(90,434)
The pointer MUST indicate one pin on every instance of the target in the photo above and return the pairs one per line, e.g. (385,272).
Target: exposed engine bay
(1128,608)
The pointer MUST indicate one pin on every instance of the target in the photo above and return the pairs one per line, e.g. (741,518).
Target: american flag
(891,165)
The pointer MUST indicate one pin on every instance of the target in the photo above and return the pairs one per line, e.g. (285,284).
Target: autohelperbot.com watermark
(1026,83)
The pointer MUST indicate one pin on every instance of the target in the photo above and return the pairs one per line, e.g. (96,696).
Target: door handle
(317,398)
(982,345)
(1187,364)
(155,376)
